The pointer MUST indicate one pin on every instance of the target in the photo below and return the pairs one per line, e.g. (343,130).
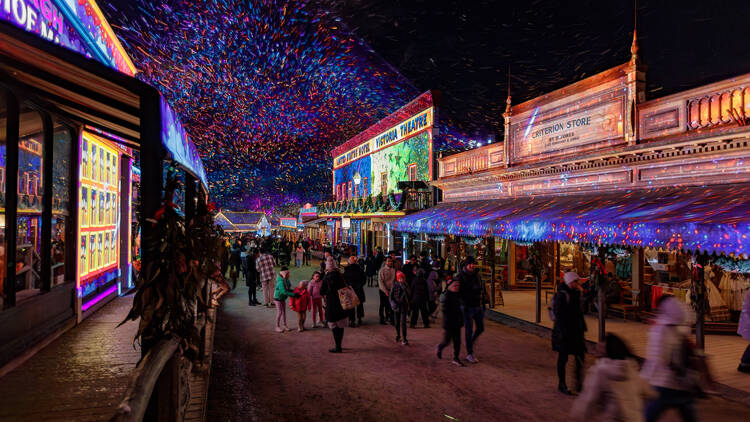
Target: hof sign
(580,127)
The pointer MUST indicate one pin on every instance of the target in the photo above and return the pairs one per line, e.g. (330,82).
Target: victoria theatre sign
(543,137)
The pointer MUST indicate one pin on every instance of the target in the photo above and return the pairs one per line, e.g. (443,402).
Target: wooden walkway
(199,378)
(81,376)
(723,351)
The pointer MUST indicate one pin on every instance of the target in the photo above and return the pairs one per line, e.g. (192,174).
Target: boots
(338,335)
(563,388)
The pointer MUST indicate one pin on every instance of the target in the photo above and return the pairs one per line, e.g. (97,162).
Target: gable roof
(244,217)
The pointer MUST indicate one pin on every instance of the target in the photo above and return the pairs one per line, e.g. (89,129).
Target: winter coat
(419,289)
(370,268)
(283,289)
(313,287)
(452,315)
(744,327)
(433,283)
(399,297)
(355,277)
(302,303)
(332,283)
(234,256)
(386,278)
(569,328)
(665,340)
(617,387)
(471,289)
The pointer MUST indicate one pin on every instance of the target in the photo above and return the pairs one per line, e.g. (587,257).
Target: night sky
(267,88)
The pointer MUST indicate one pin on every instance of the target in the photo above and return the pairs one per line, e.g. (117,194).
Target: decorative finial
(634,45)
(507,100)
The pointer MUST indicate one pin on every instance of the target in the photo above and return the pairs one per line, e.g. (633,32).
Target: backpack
(551,307)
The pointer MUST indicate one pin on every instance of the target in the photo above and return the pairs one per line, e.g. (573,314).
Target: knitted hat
(570,277)
(330,264)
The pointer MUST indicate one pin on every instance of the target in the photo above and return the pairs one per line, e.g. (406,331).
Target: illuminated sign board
(387,138)
(540,134)
(288,222)
(98,220)
(78,25)
(178,143)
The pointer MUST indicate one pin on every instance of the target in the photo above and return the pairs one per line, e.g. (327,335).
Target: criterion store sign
(397,133)
(595,124)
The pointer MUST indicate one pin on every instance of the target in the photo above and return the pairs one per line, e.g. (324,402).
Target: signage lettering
(385,139)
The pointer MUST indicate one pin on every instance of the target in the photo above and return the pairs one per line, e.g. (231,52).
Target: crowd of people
(673,374)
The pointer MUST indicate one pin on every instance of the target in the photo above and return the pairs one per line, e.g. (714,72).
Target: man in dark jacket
(569,329)
(472,304)
(410,269)
(453,320)
(420,294)
(355,277)
(252,278)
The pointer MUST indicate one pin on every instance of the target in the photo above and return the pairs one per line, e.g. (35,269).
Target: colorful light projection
(78,25)
(178,143)
(98,219)
(407,160)
(712,218)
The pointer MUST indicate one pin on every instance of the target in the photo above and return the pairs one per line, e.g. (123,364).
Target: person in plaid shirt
(264,264)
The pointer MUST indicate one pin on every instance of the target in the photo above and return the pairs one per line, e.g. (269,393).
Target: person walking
(335,315)
(355,277)
(420,292)
(399,299)
(744,330)
(301,303)
(386,278)
(235,262)
(264,265)
(370,269)
(613,384)
(313,287)
(472,304)
(453,320)
(281,293)
(434,282)
(568,330)
(306,254)
(667,355)
(299,255)
(251,278)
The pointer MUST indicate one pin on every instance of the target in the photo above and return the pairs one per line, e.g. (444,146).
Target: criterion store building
(594,176)
(77,135)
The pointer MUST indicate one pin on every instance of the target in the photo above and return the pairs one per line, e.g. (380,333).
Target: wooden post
(637,279)
(490,253)
(511,263)
(556,267)
(602,304)
(700,314)
(538,299)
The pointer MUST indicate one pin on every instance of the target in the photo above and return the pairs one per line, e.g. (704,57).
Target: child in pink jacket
(301,303)
(313,287)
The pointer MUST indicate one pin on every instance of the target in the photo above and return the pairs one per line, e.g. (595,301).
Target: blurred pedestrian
(235,262)
(251,278)
(744,331)
(613,384)
(434,282)
(282,292)
(299,255)
(420,293)
(453,320)
(336,315)
(371,270)
(386,278)
(301,303)
(355,277)
(264,265)
(399,299)
(472,304)
(568,330)
(313,287)
(667,364)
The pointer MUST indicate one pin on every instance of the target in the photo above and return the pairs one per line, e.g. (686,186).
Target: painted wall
(346,173)
(395,161)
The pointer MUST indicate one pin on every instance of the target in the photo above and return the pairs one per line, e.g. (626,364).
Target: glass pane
(3,138)
(61,155)
(28,242)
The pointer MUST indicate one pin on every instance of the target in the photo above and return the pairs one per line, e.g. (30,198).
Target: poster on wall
(99,198)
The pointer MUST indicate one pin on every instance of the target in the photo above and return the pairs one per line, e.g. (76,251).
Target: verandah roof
(712,218)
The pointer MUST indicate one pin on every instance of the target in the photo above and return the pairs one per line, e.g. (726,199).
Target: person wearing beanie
(282,292)
(473,298)
(399,299)
(568,330)
(336,315)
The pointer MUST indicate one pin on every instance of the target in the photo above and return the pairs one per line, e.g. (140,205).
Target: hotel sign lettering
(581,127)
(391,136)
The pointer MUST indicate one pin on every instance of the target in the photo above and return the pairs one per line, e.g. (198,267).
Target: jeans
(400,322)
(420,307)
(669,398)
(358,314)
(562,362)
(452,335)
(385,312)
(267,291)
(280,312)
(472,315)
(251,292)
(298,263)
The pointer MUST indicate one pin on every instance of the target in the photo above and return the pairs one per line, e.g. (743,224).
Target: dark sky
(464,47)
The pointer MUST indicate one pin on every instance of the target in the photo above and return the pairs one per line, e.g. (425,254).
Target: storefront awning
(712,218)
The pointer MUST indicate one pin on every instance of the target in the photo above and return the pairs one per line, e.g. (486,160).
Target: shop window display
(61,218)
(29,205)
